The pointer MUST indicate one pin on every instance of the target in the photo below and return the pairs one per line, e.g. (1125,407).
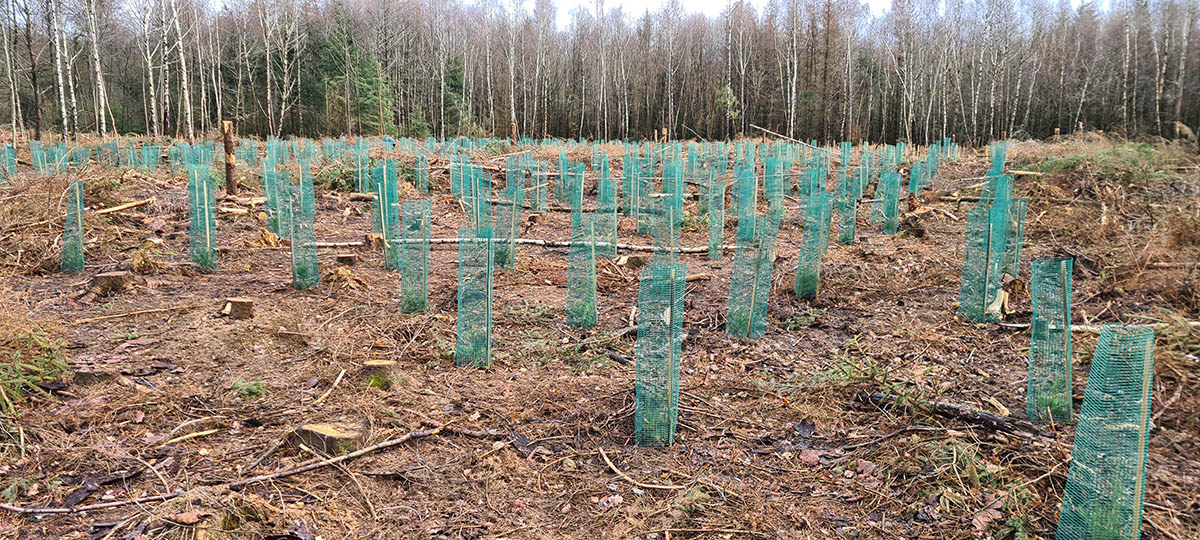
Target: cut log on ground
(332,438)
(345,259)
(238,308)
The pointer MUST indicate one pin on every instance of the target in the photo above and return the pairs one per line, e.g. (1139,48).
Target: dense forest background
(811,69)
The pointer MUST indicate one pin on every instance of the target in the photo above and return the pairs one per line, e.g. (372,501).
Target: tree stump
(331,438)
(238,308)
(383,374)
(105,284)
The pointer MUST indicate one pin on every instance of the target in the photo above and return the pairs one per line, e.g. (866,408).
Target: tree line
(827,70)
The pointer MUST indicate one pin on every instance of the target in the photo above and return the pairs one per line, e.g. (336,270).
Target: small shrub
(248,390)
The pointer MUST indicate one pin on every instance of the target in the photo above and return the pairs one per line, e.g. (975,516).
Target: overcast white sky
(710,8)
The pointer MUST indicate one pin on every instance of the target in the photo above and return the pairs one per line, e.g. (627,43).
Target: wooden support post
(230,179)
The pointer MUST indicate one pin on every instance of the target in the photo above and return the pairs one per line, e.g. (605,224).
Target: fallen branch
(630,480)
(125,206)
(1006,424)
(236,484)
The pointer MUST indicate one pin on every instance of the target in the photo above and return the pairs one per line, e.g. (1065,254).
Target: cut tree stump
(238,308)
(331,438)
(105,284)
(346,259)
(90,377)
(383,374)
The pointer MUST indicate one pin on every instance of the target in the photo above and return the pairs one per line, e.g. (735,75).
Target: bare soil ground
(772,443)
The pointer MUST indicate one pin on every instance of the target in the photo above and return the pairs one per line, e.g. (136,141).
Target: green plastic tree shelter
(414,258)
(474,328)
(202,229)
(581,274)
(1048,391)
(659,348)
(1106,485)
(306,273)
(72,243)
(750,282)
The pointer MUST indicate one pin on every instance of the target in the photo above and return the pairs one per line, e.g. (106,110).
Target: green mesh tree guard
(631,177)
(385,218)
(72,243)
(1015,236)
(474,326)
(202,229)
(477,194)
(306,273)
(540,177)
(362,173)
(774,183)
(508,221)
(848,194)
(750,282)
(276,191)
(10,159)
(1105,488)
(808,271)
(150,156)
(716,219)
(673,187)
(606,212)
(414,270)
(747,204)
(421,174)
(983,258)
(891,202)
(1048,391)
(581,274)
(658,351)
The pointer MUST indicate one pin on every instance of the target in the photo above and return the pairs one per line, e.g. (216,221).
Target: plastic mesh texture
(581,274)
(659,349)
(414,268)
(276,191)
(305,271)
(385,212)
(808,271)
(750,282)
(716,219)
(476,196)
(508,221)
(1048,391)
(1015,236)
(747,204)
(606,212)
(1105,488)
(474,325)
(848,194)
(72,243)
(202,228)
(421,174)
(891,202)
(979,299)
(150,156)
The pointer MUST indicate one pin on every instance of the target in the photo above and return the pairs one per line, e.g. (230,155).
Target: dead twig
(630,480)
(236,484)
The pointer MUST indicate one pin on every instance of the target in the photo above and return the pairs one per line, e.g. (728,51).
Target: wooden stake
(230,180)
